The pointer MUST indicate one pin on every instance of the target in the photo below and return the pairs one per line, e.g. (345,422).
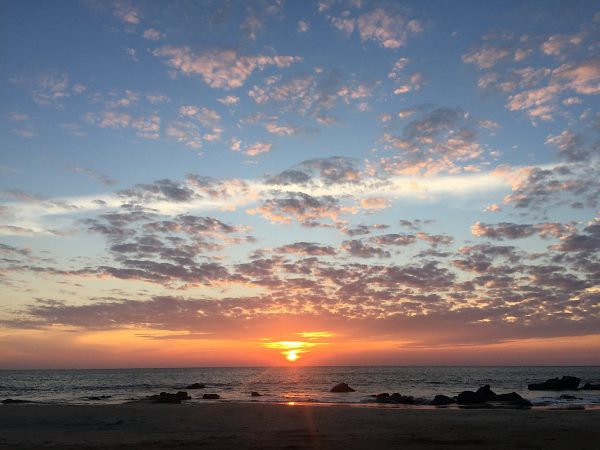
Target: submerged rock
(196,386)
(566,383)
(341,387)
(166,397)
(211,396)
(567,397)
(255,394)
(591,387)
(439,400)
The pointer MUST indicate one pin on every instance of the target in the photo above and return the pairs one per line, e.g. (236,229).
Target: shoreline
(274,425)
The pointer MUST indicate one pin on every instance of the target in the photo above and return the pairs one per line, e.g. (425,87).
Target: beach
(223,425)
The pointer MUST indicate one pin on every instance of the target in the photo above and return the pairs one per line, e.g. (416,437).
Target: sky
(230,183)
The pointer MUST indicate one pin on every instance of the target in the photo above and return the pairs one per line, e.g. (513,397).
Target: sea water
(291,384)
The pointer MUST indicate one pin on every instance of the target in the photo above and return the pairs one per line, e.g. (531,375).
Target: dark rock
(196,386)
(382,398)
(511,399)
(442,400)
(211,396)
(485,393)
(11,401)
(399,399)
(591,387)
(100,397)
(165,397)
(468,398)
(342,387)
(567,397)
(255,394)
(565,383)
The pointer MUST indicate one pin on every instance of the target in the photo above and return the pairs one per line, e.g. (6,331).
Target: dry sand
(277,426)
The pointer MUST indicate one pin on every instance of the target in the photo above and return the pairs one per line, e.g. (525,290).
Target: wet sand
(280,426)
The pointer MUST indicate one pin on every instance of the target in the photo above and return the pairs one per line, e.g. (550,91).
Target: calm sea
(289,384)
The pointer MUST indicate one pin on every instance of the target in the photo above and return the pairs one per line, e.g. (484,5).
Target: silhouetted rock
(565,383)
(400,399)
(591,387)
(11,401)
(211,396)
(442,400)
(255,394)
(511,399)
(165,397)
(342,387)
(196,386)
(468,398)
(382,398)
(485,394)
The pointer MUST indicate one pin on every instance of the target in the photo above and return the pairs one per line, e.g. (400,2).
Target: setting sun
(292,355)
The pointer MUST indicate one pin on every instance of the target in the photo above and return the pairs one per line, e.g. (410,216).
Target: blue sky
(416,163)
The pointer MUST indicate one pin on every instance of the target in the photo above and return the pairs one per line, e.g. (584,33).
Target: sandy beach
(278,426)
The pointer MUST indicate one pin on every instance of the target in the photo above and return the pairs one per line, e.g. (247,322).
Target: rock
(567,397)
(401,399)
(591,387)
(211,396)
(566,383)
(255,394)
(468,398)
(382,398)
(442,400)
(196,386)
(165,397)
(342,387)
(101,397)
(11,401)
(485,393)
(511,399)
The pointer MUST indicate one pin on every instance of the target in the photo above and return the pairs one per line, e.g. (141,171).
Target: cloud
(556,45)
(147,127)
(307,248)
(126,12)
(375,203)
(507,230)
(185,132)
(100,178)
(229,100)
(257,148)
(302,26)
(153,35)
(486,56)
(224,69)
(437,142)
(387,29)
(302,207)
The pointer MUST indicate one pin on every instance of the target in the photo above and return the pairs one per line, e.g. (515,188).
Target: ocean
(291,384)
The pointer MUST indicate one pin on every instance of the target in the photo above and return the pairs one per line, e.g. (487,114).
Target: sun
(291,355)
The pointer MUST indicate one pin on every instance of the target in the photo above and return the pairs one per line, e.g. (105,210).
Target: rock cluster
(166,397)
(482,396)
